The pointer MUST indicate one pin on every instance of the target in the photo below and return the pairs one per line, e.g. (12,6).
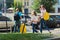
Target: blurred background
(7,11)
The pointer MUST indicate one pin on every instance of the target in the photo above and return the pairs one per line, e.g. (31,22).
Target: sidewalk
(55,32)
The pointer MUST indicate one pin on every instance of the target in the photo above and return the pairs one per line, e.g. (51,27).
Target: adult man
(17,18)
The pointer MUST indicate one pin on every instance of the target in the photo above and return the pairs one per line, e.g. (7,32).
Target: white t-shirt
(34,18)
(42,12)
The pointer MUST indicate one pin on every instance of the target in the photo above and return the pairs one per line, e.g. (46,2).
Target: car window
(55,17)
(58,16)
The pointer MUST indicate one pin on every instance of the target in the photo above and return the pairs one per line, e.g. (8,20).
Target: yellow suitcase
(23,28)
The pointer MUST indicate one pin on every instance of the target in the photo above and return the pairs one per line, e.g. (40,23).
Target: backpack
(16,16)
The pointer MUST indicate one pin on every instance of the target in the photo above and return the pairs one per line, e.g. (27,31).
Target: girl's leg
(36,27)
(33,27)
(41,26)
(46,26)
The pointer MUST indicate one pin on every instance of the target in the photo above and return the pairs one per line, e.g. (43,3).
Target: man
(17,19)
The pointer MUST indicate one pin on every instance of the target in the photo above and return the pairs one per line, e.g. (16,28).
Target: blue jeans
(43,23)
(34,27)
(17,26)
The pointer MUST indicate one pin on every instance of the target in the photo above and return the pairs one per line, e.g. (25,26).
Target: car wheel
(58,25)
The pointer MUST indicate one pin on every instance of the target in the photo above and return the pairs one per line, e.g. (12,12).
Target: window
(58,10)
(32,2)
(27,3)
(24,3)
(59,2)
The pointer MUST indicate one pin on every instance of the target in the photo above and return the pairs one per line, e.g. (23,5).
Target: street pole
(5,13)
(17,4)
(5,7)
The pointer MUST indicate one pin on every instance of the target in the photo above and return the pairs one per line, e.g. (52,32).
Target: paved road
(55,31)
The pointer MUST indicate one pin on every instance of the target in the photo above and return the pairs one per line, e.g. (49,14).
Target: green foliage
(36,5)
(24,36)
(48,4)
(10,3)
(18,4)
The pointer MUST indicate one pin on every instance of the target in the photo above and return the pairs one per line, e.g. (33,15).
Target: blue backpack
(16,16)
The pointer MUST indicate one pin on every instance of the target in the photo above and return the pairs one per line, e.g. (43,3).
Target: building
(5,4)
(57,7)
(26,5)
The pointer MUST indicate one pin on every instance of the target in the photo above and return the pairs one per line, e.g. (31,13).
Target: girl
(34,21)
(43,22)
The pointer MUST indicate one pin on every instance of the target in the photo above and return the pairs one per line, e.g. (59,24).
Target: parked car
(54,21)
(57,20)
(10,10)
(5,20)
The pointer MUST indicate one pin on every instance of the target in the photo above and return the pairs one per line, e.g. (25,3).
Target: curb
(57,38)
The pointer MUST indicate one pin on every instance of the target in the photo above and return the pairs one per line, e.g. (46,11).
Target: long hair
(35,13)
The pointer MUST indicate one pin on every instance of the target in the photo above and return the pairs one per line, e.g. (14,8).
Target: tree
(36,4)
(49,4)
(17,4)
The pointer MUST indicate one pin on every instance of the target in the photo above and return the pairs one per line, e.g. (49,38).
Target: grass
(28,36)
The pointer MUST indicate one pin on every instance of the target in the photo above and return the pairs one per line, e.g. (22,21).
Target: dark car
(54,21)
(57,20)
